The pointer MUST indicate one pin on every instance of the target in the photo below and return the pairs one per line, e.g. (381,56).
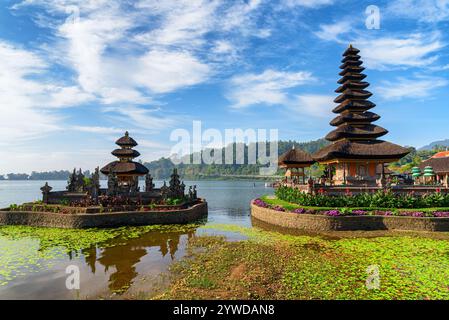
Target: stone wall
(103,220)
(319,223)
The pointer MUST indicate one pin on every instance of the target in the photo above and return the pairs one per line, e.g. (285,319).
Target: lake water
(117,264)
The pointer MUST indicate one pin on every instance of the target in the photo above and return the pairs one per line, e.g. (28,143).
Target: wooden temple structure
(294,161)
(439,162)
(123,182)
(125,172)
(355,153)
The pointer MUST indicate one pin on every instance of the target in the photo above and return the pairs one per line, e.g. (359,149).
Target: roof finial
(126,133)
(350,45)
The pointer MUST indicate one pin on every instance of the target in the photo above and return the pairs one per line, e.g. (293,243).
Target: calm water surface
(118,264)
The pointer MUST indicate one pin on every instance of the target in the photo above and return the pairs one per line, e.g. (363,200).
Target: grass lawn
(270,265)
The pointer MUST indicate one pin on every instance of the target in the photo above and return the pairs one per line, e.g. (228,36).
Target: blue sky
(75,74)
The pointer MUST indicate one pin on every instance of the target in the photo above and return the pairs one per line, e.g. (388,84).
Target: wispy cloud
(332,32)
(269,87)
(314,105)
(307,3)
(423,10)
(403,88)
(27,97)
(417,50)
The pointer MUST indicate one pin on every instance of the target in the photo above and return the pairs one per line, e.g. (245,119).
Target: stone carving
(76,182)
(176,187)
(45,192)
(112,184)
(95,187)
(149,185)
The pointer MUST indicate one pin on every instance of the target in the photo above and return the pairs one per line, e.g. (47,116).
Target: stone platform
(321,223)
(104,220)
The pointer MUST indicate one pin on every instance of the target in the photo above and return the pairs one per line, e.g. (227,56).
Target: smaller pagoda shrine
(355,152)
(123,183)
(439,163)
(295,161)
(124,174)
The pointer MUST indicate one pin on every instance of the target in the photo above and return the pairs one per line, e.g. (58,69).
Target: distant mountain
(162,168)
(436,144)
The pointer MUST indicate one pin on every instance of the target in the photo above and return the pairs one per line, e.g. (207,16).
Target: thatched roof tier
(348,76)
(363,150)
(351,69)
(125,168)
(347,131)
(354,106)
(355,118)
(351,57)
(351,51)
(440,165)
(354,62)
(353,94)
(126,153)
(295,157)
(126,141)
(352,85)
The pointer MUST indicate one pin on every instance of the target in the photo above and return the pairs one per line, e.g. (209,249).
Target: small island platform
(169,215)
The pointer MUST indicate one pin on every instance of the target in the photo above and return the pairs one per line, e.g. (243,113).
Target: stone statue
(164,191)
(112,184)
(149,185)
(71,183)
(95,188)
(176,188)
(195,196)
(190,193)
(45,192)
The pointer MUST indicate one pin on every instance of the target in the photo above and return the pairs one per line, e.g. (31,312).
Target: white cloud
(422,10)
(307,3)
(417,50)
(174,70)
(332,32)
(269,87)
(97,130)
(314,105)
(404,88)
(25,96)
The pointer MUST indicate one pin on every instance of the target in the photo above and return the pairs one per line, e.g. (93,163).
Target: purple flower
(278,208)
(299,210)
(359,212)
(440,214)
(332,213)
(260,203)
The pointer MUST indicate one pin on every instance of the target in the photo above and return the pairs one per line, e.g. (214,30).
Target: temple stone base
(104,220)
(322,223)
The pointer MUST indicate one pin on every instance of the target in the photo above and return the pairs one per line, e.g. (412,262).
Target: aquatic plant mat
(341,265)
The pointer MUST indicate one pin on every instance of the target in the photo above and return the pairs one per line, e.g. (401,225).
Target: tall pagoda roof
(356,136)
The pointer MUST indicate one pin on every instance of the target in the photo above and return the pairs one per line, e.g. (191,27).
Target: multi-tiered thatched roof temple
(356,155)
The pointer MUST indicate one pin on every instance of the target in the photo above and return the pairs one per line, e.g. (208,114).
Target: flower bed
(353,212)
(70,209)
(384,199)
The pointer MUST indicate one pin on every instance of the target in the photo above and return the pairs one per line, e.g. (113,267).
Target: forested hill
(162,168)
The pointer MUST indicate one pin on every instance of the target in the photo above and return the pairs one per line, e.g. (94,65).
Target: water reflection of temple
(123,256)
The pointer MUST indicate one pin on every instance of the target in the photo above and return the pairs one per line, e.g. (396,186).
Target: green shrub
(379,199)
